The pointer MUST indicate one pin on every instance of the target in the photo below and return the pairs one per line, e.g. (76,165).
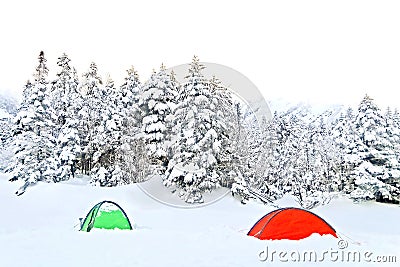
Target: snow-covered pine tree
(33,133)
(15,131)
(238,161)
(321,166)
(263,180)
(132,155)
(255,161)
(396,118)
(68,150)
(90,115)
(157,104)
(392,131)
(395,129)
(127,100)
(131,88)
(107,169)
(101,143)
(377,177)
(176,88)
(26,92)
(175,85)
(193,167)
(223,124)
(66,102)
(42,71)
(59,93)
(391,152)
(348,142)
(293,155)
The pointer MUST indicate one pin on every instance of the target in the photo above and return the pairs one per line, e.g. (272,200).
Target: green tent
(106,215)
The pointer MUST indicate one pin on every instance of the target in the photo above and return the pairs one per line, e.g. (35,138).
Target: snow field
(38,230)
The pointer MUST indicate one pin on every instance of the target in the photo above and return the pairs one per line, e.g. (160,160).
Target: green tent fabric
(106,215)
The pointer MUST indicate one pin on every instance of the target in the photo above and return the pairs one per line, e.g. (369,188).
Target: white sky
(320,51)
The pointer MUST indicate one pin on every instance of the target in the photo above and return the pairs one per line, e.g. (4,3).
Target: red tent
(290,223)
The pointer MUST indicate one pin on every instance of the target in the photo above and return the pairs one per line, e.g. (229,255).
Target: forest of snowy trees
(197,137)
(357,154)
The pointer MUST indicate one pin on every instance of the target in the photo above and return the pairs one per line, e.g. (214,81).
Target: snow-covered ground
(37,229)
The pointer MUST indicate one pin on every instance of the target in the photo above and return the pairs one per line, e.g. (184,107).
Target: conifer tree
(107,139)
(33,133)
(89,115)
(130,89)
(377,176)
(193,167)
(66,102)
(157,104)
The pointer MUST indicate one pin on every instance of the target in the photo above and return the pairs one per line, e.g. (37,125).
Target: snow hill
(8,106)
(40,229)
(306,111)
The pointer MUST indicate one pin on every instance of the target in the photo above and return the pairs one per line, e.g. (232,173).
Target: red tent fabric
(290,223)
